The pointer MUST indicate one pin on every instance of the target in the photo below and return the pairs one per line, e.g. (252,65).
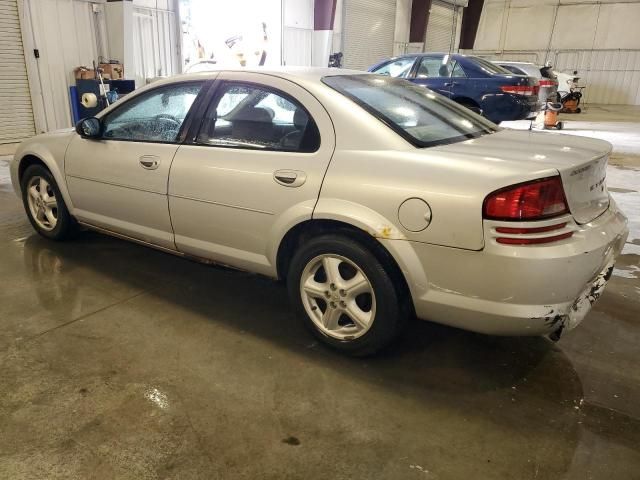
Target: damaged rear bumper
(521,290)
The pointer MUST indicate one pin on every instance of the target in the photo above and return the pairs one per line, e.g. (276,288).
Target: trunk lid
(586,189)
(580,161)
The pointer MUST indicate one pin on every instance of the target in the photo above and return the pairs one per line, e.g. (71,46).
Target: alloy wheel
(338,297)
(42,202)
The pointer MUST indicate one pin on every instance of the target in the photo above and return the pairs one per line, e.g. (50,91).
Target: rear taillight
(534,200)
(548,83)
(526,90)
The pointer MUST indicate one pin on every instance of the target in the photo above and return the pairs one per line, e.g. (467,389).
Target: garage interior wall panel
(598,39)
(16,113)
(65,32)
(368,32)
(156,50)
(441,27)
(297,32)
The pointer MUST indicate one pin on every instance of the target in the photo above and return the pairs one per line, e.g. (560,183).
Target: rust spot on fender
(385,232)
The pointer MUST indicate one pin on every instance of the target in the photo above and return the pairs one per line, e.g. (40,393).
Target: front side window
(155,116)
(256,117)
(399,68)
(420,116)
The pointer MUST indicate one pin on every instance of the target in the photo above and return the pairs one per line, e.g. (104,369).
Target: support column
(419,18)
(119,19)
(403,22)
(324,14)
(470,22)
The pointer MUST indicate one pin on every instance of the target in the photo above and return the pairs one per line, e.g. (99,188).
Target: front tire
(44,204)
(345,295)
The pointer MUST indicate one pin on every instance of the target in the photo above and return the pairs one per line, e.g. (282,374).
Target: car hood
(581,163)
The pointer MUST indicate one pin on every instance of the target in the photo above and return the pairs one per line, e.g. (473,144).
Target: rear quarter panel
(454,186)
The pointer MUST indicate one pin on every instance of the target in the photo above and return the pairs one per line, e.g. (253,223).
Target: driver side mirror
(89,128)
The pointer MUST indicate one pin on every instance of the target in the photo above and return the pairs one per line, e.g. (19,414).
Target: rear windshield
(489,67)
(421,116)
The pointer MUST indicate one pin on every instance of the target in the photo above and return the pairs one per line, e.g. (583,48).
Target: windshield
(419,115)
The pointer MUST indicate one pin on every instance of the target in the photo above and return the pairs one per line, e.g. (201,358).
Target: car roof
(426,54)
(301,73)
(509,62)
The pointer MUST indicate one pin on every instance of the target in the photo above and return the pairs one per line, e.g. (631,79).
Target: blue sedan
(474,82)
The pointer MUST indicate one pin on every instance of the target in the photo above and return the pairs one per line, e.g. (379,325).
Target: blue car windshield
(419,115)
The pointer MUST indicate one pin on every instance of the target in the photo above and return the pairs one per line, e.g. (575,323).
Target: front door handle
(150,162)
(290,178)
(450,84)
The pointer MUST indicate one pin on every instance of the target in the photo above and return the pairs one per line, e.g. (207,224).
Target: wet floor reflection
(456,397)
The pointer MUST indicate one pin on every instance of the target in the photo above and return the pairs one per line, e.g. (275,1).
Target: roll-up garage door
(368,31)
(16,114)
(441,27)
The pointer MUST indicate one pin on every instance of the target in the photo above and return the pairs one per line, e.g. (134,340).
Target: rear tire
(45,206)
(345,295)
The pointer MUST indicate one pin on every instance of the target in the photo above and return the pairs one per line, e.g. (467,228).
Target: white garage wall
(598,39)
(70,33)
(67,33)
(297,32)
(156,40)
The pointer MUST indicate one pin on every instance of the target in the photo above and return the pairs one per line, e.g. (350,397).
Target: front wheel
(346,295)
(44,205)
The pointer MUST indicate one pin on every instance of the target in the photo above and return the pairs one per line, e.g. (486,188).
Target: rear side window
(489,67)
(257,117)
(513,69)
(399,68)
(420,116)
(458,71)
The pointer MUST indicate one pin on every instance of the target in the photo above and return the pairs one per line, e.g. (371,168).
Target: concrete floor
(118,361)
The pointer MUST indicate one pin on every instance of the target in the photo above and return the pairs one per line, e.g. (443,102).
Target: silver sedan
(375,199)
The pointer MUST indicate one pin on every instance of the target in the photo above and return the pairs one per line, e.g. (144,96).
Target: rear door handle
(150,162)
(290,178)
(450,84)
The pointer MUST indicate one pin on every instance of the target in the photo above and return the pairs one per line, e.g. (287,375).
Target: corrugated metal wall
(611,76)
(599,39)
(16,113)
(441,27)
(368,32)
